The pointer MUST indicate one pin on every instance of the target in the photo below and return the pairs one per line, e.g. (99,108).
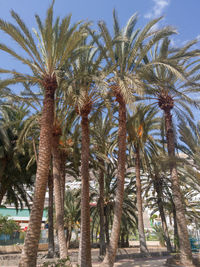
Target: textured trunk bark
(114,238)
(176,238)
(63,160)
(102,250)
(68,239)
(29,253)
(122,240)
(106,225)
(58,197)
(50,219)
(2,193)
(3,163)
(85,247)
(158,188)
(185,249)
(143,245)
(127,240)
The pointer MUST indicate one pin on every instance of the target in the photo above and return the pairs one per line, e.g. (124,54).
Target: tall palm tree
(56,154)
(63,121)
(101,142)
(58,42)
(124,53)
(171,93)
(141,127)
(84,79)
(51,246)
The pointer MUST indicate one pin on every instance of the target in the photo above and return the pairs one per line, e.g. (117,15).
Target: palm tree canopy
(57,44)
(125,51)
(171,87)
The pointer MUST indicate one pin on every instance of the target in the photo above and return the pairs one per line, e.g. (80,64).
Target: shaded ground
(128,257)
(125,258)
(154,262)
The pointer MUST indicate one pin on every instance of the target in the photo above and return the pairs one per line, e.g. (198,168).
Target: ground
(154,262)
(128,257)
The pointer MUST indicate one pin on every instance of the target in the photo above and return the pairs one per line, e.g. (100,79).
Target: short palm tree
(129,217)
(71,212)
(58,42)
(157,181)
(124,53)
(16,178)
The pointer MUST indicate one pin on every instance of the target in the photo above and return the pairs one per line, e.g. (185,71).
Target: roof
(23,214)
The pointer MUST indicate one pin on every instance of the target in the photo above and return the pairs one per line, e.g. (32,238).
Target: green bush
(8,226)
(60,263)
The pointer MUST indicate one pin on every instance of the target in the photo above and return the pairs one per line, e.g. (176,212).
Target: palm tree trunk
(85,247)
(143,245)
(3,163)
(101,210)
(107,224)
(127,240)
(158,188)
(185,249)
(50,219)
(122,239)
(114,238)
(63,178)
(29,253)
(3,191)
(69,235)
(58,197)
(176,238)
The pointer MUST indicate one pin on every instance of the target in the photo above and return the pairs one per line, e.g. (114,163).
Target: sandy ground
(128,261)
(158,262)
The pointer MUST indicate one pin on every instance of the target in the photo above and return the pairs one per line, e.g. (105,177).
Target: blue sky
(182,14)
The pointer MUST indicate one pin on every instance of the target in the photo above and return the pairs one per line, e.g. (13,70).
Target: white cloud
(198,37)
(158,8)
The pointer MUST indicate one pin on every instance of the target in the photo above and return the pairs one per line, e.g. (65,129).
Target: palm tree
(157,183)
(62,123)
(101,142)
(124,53)
(56,154)
(129,217)
(16,178)
(141,127)
(58,43)
(84,79)
(50,219)
(71,212)
(171,93)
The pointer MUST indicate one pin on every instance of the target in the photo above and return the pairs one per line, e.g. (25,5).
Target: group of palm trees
(84,89)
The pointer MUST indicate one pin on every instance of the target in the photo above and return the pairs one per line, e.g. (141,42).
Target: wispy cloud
(198,37)
(158,8)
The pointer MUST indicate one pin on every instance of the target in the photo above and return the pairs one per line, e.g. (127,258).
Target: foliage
(8,226)
(71,209)
(16,176)
(91,76)
(60,263)
(159,233)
